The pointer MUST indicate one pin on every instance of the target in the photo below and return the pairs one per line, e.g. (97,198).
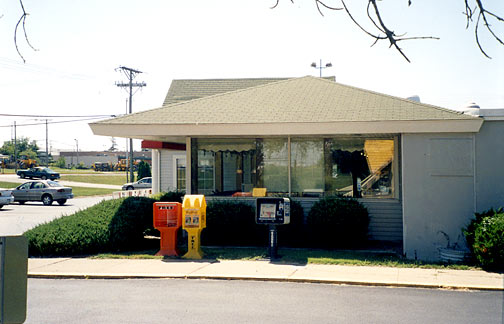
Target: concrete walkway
(263,270)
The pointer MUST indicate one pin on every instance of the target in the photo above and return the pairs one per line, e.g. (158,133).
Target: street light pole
(77,148)
(320,67)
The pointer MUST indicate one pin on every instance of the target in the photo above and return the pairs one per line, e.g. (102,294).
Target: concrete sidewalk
(263,270)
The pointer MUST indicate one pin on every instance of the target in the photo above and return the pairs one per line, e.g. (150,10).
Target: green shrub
(109,226)
(470,230)
(129,223)
(84,232)
(232,223)
(171,196)
(61,163)
(488,246)
(337,222)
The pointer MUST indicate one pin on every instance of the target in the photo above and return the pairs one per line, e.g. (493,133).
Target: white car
(144,183)
(6,197)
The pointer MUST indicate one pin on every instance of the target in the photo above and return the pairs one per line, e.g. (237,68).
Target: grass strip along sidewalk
(300,256)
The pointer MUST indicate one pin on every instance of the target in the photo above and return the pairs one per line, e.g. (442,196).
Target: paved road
(15,219)
(15,178)
(216,301)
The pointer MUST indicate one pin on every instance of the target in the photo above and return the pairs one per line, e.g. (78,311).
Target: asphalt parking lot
(15,219)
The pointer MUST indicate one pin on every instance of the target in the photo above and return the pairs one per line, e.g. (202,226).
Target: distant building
(73,158)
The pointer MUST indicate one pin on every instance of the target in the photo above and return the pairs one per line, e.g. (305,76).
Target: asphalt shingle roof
(184,90)
(305,99)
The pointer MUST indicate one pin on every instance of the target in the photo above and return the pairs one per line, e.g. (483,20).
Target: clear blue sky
(80,43)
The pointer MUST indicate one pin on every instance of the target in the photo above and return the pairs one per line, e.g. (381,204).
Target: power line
(55,122)
(58,116)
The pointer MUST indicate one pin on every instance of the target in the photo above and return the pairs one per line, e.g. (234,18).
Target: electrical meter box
(167,215)
(13,279)
(274,211)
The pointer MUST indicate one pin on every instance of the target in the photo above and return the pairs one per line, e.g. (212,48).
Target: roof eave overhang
(153,131)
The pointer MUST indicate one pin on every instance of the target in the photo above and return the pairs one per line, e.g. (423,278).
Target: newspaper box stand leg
(168,244)
(273,211)
(168,219)
(193,221)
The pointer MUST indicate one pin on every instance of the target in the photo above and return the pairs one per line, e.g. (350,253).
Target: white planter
(452,255)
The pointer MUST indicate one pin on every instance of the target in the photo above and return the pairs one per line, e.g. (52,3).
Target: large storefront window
(307,167)
(348,166)
(359,167)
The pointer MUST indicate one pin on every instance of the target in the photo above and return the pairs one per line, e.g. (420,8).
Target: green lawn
(301,256)
(115,179)
(8,185)
(77,191)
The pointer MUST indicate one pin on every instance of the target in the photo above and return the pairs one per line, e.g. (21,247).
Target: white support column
(289,165)
(156,174)
(188,166)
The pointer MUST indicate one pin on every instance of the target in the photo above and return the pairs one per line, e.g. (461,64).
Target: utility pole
(47,144)
(130,74)
(15,148)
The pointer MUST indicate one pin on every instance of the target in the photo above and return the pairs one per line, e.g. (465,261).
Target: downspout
(188,166)
(289,164)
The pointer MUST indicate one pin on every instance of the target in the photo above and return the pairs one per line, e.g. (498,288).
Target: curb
(291,280)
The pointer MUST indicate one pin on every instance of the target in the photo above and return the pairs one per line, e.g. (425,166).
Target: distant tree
(61,163)
(144,170)
(24,147)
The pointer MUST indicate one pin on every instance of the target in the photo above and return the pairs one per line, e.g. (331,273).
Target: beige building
(415,166)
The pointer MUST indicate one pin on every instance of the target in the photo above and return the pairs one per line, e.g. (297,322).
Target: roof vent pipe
(414,98)
(472,109)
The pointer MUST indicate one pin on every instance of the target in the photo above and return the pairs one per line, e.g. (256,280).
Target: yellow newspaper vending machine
(193,222)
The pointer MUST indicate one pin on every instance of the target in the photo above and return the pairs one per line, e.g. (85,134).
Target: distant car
(38,172)
(144,183)
(45,191)
(6,197)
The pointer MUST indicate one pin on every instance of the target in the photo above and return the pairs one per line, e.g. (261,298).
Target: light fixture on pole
(77,149)
(320,67)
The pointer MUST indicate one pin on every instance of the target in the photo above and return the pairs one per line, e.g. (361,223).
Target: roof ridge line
(402,99)
(281,80)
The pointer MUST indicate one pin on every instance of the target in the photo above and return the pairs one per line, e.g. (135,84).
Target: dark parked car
(39,172)
(45,191)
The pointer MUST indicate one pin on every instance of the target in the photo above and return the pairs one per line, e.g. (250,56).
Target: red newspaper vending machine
(168,219)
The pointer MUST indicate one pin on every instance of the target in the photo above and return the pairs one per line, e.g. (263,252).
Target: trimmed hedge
(336,222)
(232,223)
(293,234)
(120,225)
(85,232)
(111,225)
(129,224)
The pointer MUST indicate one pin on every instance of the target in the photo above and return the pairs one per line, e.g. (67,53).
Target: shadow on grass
(297,256)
